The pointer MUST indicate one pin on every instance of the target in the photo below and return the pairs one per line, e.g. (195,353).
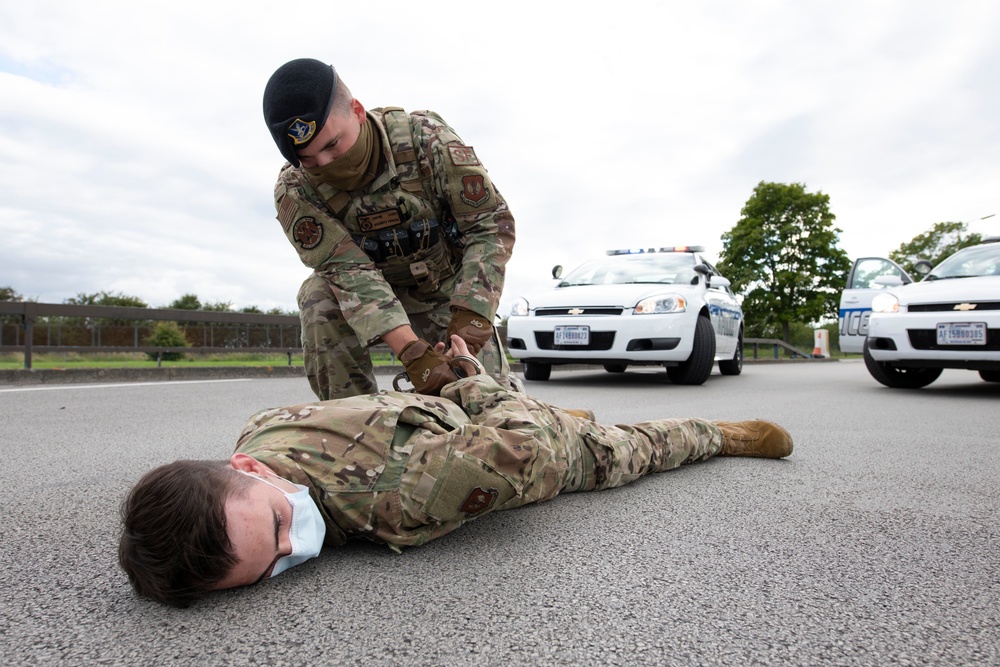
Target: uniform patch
(474,191)
(379,220)
(307,233)
(301,131)
(463,156)
(286,211)
(479,500)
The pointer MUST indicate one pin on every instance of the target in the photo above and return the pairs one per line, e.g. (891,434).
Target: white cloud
(133,157)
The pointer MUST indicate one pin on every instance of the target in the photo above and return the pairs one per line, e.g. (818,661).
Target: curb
(90,375)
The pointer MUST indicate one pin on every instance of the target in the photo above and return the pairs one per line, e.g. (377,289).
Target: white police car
(665,306)
(910,331)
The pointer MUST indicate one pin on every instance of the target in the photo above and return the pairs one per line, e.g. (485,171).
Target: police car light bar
(643,251)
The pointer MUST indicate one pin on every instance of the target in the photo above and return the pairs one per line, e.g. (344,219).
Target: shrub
(167,334)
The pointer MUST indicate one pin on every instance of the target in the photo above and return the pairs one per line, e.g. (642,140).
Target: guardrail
(776,344)
(214,324)
(237,332)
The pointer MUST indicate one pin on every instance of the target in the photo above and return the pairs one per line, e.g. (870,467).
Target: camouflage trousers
(518,451)
(338,364)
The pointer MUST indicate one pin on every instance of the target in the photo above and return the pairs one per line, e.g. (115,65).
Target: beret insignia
(301,131)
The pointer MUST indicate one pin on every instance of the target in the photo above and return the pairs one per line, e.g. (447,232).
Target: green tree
(10,294)
(107,299)
(782,256)
(219,307)
(186,302)
(167,334)
(940,242)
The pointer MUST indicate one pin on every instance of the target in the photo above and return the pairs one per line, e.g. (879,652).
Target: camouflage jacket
(430,185)
(403,468)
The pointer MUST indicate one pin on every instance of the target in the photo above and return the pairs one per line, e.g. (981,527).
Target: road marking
(121,384)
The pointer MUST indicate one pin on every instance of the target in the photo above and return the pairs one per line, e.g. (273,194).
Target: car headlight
(520,308)
(666,303)
(885,303)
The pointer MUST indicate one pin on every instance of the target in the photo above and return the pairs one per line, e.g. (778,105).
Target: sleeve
(484,220)
(324,244)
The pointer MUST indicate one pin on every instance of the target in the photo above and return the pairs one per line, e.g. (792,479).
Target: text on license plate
(961,333)
(572,335)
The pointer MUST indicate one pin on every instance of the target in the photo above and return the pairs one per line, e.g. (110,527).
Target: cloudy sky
(134,158)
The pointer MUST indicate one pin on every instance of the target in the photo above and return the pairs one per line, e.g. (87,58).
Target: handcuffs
(457,370)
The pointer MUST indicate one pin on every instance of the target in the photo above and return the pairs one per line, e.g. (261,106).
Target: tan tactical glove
(427,370)
(471,327)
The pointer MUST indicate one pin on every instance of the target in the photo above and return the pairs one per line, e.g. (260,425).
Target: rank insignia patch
(307,233)
(301,131)
(474,191)
(463,156)
(479,500)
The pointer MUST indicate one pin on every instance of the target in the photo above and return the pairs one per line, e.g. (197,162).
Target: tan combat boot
(755,438)
(583,414)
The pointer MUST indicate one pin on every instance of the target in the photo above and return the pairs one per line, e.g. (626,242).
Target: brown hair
(174,545)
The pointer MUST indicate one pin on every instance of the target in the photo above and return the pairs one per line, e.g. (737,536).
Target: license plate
(961,333)
(575,335)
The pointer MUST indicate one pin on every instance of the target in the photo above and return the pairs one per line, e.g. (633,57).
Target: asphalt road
(875,543)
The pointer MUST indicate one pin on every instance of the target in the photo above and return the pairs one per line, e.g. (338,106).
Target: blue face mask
(306,531)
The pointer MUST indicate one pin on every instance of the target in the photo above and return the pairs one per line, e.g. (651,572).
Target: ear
(247,463)
(358,109)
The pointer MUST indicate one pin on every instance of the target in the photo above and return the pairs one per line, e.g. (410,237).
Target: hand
(462,360)
(473,328)
(427,368)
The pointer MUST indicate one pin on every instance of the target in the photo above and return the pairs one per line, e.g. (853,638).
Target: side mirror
(923,267)
(703,270)
(557,271)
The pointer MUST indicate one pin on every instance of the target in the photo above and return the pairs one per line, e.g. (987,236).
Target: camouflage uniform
(404,469)
(430,232)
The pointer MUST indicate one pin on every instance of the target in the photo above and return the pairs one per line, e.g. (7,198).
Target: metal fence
(28,327)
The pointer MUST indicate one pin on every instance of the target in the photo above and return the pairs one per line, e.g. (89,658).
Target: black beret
(297,100)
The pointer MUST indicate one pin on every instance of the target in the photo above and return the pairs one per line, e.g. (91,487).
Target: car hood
(625,296)
(980,288)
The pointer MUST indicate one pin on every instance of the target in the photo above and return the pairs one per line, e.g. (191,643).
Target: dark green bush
(167,334)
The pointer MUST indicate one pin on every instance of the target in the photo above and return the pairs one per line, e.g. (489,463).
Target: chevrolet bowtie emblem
(575,311)
(964,306)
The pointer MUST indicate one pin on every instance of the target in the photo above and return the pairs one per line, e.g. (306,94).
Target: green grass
(14,361)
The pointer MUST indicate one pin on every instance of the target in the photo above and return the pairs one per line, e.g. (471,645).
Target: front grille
(599,340)
(946,307)
(926,339)
(548,312)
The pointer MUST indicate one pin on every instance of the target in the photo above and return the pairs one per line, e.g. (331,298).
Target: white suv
(909,331)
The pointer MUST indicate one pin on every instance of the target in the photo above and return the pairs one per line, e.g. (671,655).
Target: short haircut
(174,544)
(341,105)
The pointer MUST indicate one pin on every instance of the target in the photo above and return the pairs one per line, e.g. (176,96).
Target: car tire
(615,368)
(899,378)
(698,366)
(733,366)
(990,376)
(537,372)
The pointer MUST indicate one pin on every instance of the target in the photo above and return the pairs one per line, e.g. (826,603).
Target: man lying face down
(393,467)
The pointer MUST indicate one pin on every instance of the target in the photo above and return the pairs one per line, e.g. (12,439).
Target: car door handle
(851,299)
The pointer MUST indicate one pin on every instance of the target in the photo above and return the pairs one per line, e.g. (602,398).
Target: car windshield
(662,268)
(983,260)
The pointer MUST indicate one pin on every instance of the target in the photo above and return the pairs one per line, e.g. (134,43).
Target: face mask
(355,168)
(306,531)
